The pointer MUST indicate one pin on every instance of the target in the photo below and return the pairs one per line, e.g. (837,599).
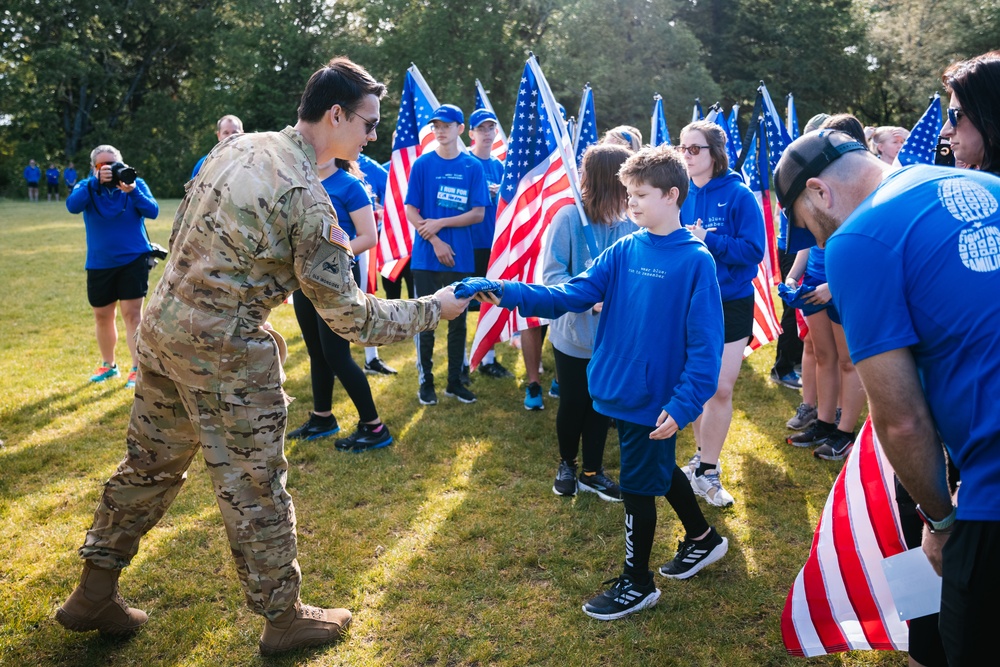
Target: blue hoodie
(114,221)
(659,340)
(727,205)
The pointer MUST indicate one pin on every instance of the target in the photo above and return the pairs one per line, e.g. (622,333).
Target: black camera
(121,173)
(943,154)
(156,253)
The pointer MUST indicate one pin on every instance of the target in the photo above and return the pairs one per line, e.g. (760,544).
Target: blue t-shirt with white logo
(347,193)
(441,188)
(917,265)
(482,232)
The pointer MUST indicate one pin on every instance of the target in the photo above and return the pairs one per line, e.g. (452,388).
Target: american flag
(499,150)
(777,135)
(659,135)
(585,134)
(840,600)
(734,141)
(413,138)
(920,146)
(536,184)
(766,326)
(791,119)
(697,113)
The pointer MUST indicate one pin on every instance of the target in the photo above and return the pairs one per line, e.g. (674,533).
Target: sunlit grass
(449,547)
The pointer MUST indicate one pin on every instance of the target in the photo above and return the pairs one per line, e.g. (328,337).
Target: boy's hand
(443,251)
(698,230)
(665,427)
(820,295)
(428,228)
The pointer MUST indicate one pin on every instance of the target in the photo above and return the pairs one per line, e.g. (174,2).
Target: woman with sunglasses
(329,353)
(973,125)
(722,211)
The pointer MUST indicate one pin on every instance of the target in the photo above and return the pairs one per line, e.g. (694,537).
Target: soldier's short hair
(342,82)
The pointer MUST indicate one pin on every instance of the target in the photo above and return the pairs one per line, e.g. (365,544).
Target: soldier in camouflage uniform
(254,225)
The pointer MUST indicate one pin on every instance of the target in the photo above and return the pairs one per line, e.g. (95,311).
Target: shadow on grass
(37,415)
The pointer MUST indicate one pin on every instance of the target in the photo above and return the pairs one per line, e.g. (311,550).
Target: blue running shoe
(365,437)
(533,397)
(554,389)
(105,371)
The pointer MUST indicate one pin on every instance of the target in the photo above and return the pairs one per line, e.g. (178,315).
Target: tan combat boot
(96,604)
(303,626)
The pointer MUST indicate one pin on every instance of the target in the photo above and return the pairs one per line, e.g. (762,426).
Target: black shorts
(105,286)
(738,315)
(53,188)
(32,184)
(969,592)
(482,257)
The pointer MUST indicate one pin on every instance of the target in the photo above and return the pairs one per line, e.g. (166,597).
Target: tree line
(152,77)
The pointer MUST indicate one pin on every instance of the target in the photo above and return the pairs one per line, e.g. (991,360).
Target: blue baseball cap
(449,113)
(480,116)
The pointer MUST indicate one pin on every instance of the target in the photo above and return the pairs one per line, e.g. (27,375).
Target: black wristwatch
(942,526)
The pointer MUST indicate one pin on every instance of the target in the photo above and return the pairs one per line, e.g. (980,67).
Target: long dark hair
(604,196)
(976,84)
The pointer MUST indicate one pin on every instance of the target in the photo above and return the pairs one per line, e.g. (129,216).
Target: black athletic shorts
(105,286)
(32,184)
(969,592)
(53,188)
(738,315)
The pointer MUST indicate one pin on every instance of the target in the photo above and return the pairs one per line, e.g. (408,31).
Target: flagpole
(556,121)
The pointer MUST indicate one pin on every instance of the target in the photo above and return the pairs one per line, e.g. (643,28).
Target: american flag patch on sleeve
(332,233)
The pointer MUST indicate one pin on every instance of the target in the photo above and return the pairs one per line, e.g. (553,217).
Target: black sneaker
(316,427)
(464,378)
(599,483)
(835,447)
(378,367)
(365,438)
(812,436)
(625,597)
(565,484)
(693,555)
(460,392)
(427,395)
(495,370)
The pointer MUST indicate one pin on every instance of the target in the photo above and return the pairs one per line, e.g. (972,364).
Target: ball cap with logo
(449,113)
(806,158)
(480,116)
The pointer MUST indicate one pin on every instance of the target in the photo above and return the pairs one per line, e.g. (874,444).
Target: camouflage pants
(243,449)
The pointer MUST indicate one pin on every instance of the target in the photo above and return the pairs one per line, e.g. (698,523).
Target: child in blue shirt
(446,194)
(656,361)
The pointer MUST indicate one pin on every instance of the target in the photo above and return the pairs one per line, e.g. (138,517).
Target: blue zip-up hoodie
(114,220)
(659,340)
(727,205)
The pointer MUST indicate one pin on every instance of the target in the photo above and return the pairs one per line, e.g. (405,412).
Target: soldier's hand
(451,306)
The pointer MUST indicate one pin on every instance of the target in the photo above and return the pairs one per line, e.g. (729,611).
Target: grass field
(449,547)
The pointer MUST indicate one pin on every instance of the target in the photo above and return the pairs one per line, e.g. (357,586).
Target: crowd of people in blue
(679,238)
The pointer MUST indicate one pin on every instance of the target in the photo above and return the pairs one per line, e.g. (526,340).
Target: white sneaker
(709,487)
(691,467)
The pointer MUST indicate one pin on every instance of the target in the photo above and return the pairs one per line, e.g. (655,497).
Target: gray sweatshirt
(573,334)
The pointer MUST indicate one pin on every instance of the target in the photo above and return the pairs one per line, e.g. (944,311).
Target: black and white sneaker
(365,437)
(693,555)
(495,370)
(836,447)
(378,367)
(599,483)
(464,377)
(427,395)
(460,392)
(626,596)
(316,427)
(565,484)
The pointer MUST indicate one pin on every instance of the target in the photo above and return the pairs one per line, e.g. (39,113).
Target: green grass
(449,547)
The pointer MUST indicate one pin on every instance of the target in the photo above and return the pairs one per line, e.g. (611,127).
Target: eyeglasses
(954,115)
(692,150)
(370,125)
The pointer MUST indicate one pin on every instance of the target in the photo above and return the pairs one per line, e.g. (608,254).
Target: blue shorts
(647,466)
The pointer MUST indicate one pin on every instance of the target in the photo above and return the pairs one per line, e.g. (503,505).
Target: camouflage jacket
(255,225)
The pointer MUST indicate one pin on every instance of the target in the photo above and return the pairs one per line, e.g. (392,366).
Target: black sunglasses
(370,125)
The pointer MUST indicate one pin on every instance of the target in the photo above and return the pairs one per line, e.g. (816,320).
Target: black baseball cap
(806,158)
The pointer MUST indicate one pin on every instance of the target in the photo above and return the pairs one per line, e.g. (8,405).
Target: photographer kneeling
(115,204)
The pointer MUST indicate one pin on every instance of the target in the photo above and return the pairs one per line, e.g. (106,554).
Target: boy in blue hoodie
(656,361)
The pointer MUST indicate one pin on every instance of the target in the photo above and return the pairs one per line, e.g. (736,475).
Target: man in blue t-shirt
(921,247)
(446,194)
(482,131)
(32,174)
(225,127)
(69,175)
